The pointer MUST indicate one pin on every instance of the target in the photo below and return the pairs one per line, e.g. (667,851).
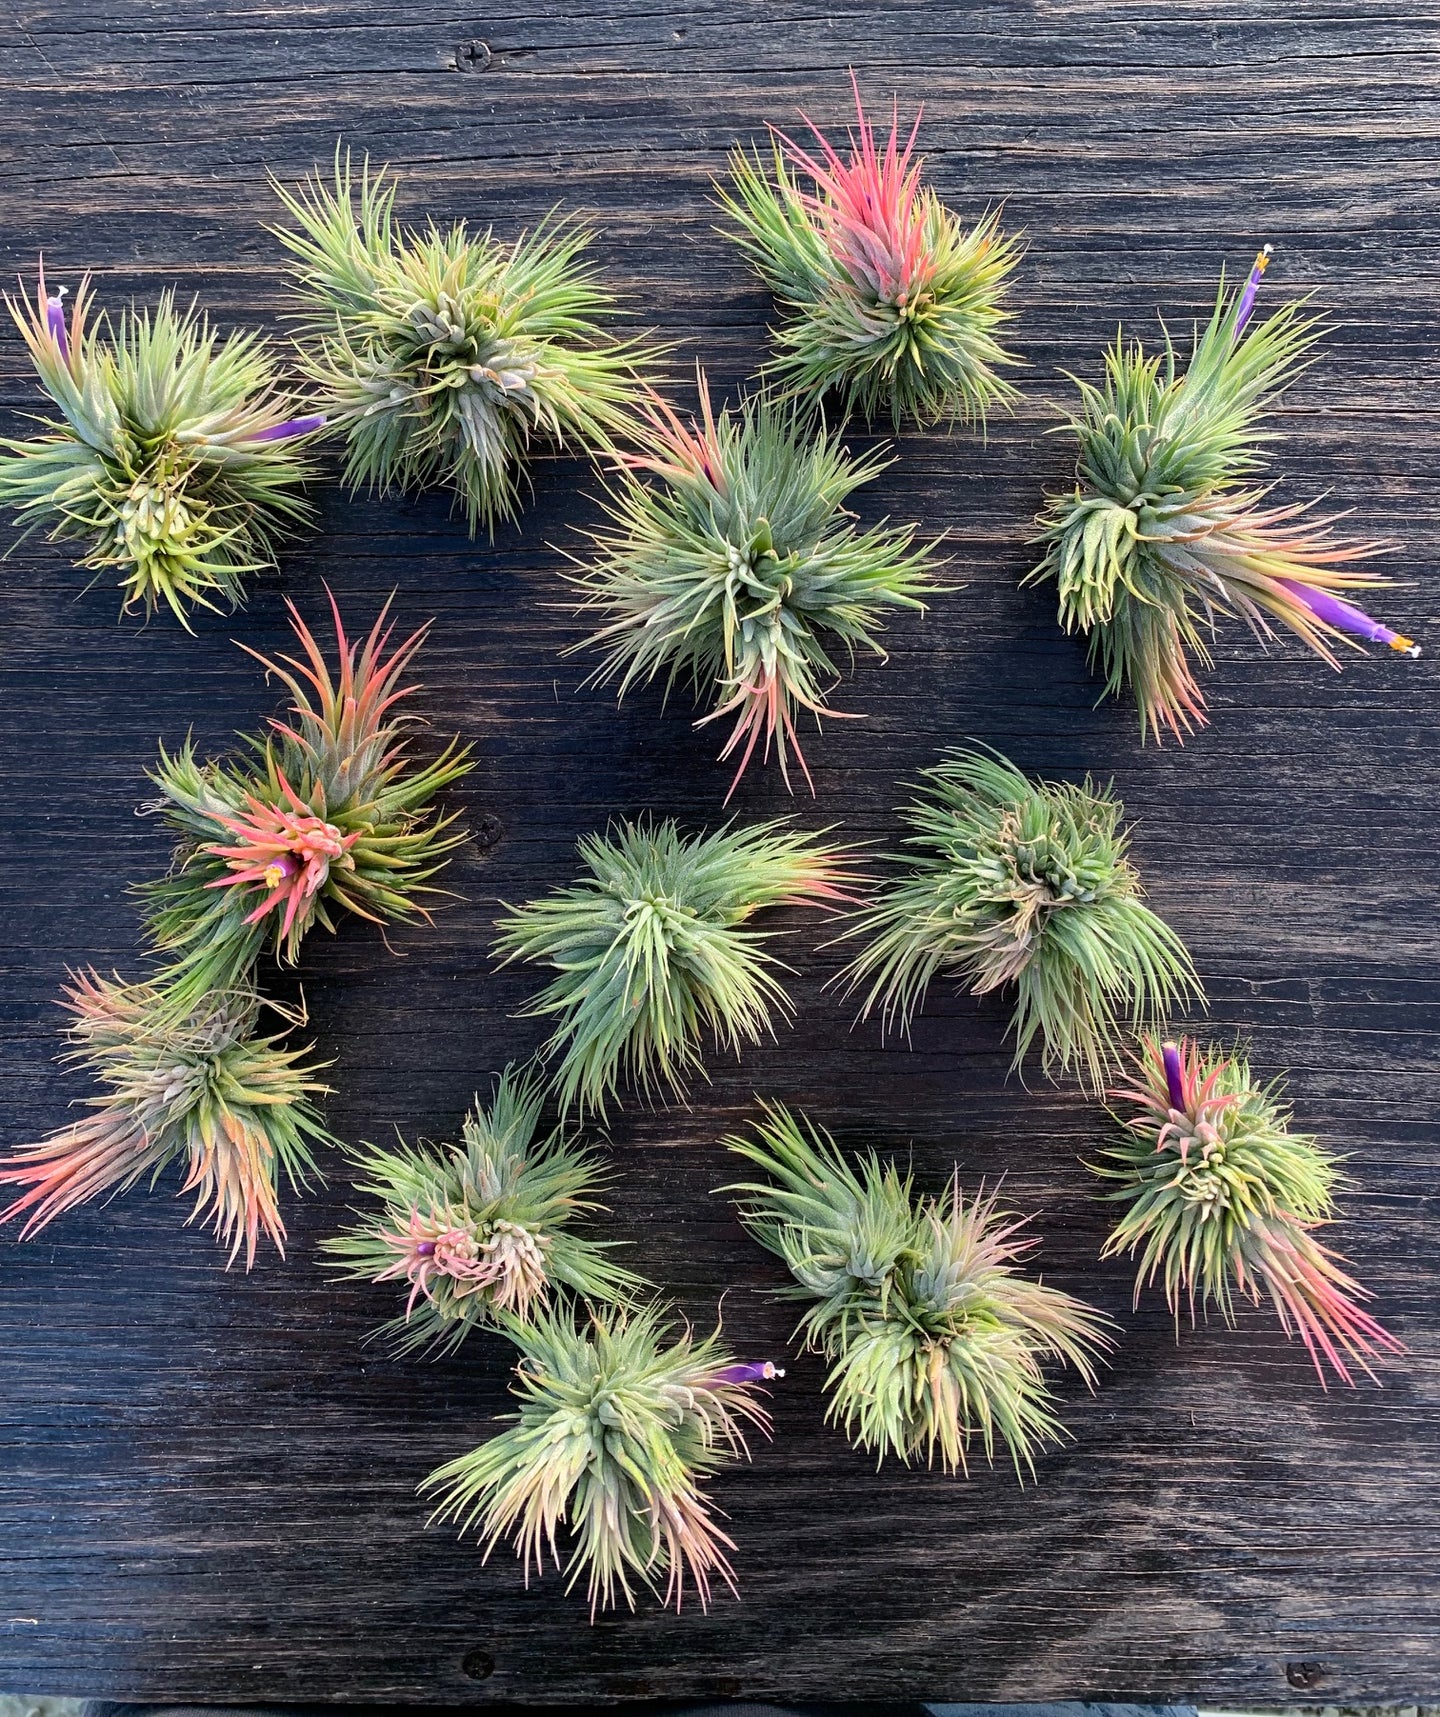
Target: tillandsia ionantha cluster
(1223,1199)
(652,950)
(935,1339)
(621,1421)
(443,356)
(891,302)
(1168,527)
(1010,881)
(177,458)
(324,812)
(736,567)
(198,1088)
(483,1228)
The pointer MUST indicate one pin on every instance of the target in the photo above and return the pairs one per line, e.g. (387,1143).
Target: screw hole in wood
(1304,1674)
(478,1665)
(473,56)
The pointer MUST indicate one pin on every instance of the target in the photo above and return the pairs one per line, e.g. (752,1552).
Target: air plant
(891,301)
(482,1228)
(1170,528)
(177,460)
(733,564)
(445,356)
(1224,1200)
(935,1339)
(202,1090)
(618,1428)
(324,812)
(1010,881)
(652,950)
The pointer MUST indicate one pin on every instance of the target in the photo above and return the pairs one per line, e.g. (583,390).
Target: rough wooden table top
(207,1484)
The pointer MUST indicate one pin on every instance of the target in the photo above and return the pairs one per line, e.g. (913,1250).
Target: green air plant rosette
(1169,527)
(444,357)
(177,460)
(203,1090)
(326,812)
(652,950)
(621,1422)
(481,1229)
(891,303)
(936,1340)
(1222,1200)
(733,564)
(1013,882)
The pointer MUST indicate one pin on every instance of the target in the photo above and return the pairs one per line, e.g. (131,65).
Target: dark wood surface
(206,1482)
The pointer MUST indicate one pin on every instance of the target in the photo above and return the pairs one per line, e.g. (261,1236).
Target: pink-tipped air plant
(890,302)
(937,1339)
(732,564)
(175,459)
(326,812)
(618,1427)
(233,1109)
(1223,1199)
(1167,529)
(483,1231)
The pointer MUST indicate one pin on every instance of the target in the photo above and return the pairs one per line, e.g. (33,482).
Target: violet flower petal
(1252,286)
(291,426)
(1346,617)
(758,1371)
(1174,1076)
(55,322)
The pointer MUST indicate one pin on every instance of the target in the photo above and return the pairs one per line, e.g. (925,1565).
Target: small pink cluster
(510,1262)
(289,852)
(1195,1110)
(870,209)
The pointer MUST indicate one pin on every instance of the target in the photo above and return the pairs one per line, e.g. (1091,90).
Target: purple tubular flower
(1346,617)
(1252,286)
(759,1371)
(291,426)
(1174,1077)
(55,322)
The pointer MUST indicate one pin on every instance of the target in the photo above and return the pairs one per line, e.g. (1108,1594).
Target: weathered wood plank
(207,1482)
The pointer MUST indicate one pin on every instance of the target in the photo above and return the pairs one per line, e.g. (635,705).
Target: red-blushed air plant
(619,1423)
(892,304)
(1223,1197)
(326,811)
(482,1230)
(739,569)
(935,1336)
(1168,529)
(287,850)
(232,1108)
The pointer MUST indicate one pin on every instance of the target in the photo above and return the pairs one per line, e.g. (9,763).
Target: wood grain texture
(206,1481)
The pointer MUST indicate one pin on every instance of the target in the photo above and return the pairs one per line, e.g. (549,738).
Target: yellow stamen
(1406,646)
(274,875)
